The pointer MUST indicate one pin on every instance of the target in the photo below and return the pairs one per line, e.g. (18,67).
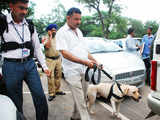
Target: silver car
(124,67)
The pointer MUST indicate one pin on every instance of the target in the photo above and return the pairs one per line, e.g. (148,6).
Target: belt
(17,59)
(54,57)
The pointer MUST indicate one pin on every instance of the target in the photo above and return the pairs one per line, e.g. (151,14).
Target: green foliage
(105,18)
(40,26)
(119,27)
(152,24)
(138,26)
(3,5)
(91,26)
(31,10)
(56,16)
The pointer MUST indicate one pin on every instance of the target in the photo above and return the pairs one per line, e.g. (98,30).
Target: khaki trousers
(78,87)
(54,81)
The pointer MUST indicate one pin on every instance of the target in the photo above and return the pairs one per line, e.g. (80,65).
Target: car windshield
(100,46)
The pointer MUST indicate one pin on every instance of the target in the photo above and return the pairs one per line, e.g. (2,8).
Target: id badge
(25,52)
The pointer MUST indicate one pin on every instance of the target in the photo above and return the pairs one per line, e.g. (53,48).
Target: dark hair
(73,10)
(150,28)
(130,30)
(15,1)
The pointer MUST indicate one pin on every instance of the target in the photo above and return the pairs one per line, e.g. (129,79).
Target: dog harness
(111,94)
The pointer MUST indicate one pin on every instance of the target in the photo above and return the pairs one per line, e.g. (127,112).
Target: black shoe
(60,93)
(75,119)
(50,98)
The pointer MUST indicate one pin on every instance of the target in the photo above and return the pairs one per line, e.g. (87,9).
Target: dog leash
(107,74)
(93,74)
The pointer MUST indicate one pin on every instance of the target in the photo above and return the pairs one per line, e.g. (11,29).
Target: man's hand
(90,64)
(50,33)
(47,72)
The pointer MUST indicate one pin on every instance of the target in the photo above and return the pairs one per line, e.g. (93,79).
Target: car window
(101,46)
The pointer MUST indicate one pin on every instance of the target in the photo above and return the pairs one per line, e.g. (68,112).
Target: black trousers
(147,63)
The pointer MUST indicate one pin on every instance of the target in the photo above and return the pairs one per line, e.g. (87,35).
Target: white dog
(114,92)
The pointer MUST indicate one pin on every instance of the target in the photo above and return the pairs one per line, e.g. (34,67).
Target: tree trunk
(102,22)
(108,20)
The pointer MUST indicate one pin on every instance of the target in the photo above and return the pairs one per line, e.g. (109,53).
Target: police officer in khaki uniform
(53,62)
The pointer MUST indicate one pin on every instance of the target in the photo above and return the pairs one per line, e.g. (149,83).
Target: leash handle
(99,75)
(92,77)
(95,67)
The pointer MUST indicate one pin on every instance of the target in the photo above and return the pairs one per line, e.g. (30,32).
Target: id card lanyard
(25,52)
(21,37)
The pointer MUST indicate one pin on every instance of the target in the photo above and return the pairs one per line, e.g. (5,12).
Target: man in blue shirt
(146,45)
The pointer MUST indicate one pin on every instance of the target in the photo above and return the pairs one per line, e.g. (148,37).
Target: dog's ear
(126,90)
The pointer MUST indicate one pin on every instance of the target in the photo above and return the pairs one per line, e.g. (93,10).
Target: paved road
(61,108)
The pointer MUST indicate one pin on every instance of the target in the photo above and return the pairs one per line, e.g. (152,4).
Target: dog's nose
(140,97)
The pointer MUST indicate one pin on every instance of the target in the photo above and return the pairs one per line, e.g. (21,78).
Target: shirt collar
(150,36)
(129,36)
(10,19)
(67,27)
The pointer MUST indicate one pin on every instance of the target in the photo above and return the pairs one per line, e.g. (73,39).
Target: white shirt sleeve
(131,44)
(38,51)
(61,43)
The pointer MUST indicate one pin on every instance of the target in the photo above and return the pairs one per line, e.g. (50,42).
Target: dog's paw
(91,112)
(119,118)
(116,116)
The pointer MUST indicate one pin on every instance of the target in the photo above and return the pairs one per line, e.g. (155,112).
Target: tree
(88,26)
(119,27)
(95,4)
(31,10)
(3,5)
(152,24)
(57,16)
(113,10)
(138,26)
(40,25)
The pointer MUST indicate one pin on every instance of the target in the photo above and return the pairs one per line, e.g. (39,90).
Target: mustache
(22,15)
(77,24)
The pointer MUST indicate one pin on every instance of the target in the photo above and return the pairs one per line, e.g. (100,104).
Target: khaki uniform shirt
(51,52)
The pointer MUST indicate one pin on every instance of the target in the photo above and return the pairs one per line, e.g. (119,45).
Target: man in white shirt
(75,58)
(131,44)
(18,63)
